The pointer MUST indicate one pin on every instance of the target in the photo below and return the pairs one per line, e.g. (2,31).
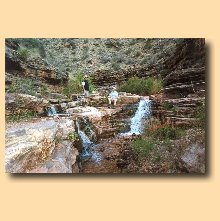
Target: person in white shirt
(113,97)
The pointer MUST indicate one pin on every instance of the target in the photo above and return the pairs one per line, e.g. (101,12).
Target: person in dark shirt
(85,84)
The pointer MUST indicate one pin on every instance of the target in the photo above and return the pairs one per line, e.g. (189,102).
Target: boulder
(21,104)
(193,159)
(41,146)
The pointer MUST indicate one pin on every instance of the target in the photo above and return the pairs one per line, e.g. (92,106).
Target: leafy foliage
(164,131)
(115,66)
(142,86)
(32,45)
(72,136)
(24,53)
(141,147)
(25,115)
(23,85)
(200,116)
(75,85)
(168,106)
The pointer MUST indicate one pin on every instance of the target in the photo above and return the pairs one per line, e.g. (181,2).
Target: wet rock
(54,101)
(73,104)
(63,105)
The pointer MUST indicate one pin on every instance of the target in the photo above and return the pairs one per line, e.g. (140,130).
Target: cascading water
(86,143)
(52,111)
(143,112)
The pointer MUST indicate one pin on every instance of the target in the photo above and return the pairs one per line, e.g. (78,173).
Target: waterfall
(52,111)
(86,143)
(143,112)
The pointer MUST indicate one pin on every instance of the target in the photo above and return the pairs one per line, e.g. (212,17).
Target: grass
(30,47)
(142,86)
(141,147)
(166,133)
(168,106)
(23,85)
(72,136)
(115,66)
(27,86)
(200,116)
(24,53)
(26,115)
(154,135)
(158,131)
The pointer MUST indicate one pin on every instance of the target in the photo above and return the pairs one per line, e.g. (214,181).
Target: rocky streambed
(53,145)
(96,139)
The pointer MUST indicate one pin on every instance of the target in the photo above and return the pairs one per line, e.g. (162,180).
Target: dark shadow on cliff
(190,176)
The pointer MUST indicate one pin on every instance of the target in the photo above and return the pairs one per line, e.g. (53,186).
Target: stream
(48,145)
(95,156)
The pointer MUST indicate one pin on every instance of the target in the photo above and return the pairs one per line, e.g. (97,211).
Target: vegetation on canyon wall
(142,86)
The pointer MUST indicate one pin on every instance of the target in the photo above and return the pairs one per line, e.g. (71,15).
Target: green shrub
(142,86)
(115,66)
(166,132)
(200,116)
(75,85)
(24,115)
(147,45)
(141,147)
(168,106)
(24,53)
(144,61)
(23,85)
(137,54)
(128,51)
(72,136)
(30,42)
(33,45)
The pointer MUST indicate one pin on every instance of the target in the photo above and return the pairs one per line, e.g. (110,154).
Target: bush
(166,132)
(144,61)
(141,147)
(72,136)
(23,85)
(168,106)
(147,45)
(104,59)
(158,131)
(31,44)
(24,53)
(75,85)
(137,54)
(141,86)
(115,66)
(128,51)
(200,116)
(25,115)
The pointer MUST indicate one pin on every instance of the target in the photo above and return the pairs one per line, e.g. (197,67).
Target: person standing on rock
(113,97)
(85,84)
